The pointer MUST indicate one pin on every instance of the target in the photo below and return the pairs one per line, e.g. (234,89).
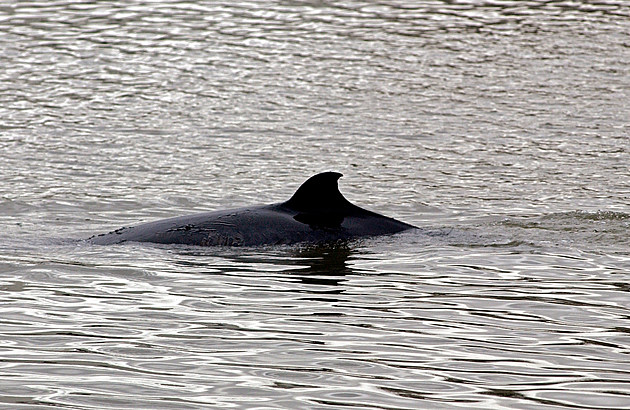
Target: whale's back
(317,212)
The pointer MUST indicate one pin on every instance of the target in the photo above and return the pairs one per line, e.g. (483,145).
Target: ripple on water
(499,127)
(433,330)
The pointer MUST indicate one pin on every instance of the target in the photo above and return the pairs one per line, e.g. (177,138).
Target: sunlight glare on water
(498,127)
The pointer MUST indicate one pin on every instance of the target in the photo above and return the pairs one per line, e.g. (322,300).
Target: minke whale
(316,213)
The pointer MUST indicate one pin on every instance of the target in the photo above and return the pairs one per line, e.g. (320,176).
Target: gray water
(498,127)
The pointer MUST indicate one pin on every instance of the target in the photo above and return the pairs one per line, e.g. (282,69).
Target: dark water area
(500,128)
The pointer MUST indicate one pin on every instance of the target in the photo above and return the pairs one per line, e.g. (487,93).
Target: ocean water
(500,128)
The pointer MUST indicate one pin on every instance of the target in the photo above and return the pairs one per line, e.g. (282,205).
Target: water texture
(500,128)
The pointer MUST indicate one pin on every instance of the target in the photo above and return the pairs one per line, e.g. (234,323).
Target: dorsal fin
(319,193)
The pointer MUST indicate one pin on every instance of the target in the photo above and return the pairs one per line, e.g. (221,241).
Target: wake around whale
(316,213)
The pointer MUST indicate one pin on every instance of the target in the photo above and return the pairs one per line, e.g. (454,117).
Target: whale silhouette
(316,213)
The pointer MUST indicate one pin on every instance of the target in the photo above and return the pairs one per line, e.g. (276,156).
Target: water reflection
(326,264)
(322,264)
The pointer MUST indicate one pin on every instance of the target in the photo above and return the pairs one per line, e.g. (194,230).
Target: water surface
(500,128)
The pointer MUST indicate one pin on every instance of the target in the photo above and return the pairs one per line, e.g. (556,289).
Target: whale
(316,213)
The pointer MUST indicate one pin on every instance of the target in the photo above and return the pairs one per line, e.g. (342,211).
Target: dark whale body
(316,213)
